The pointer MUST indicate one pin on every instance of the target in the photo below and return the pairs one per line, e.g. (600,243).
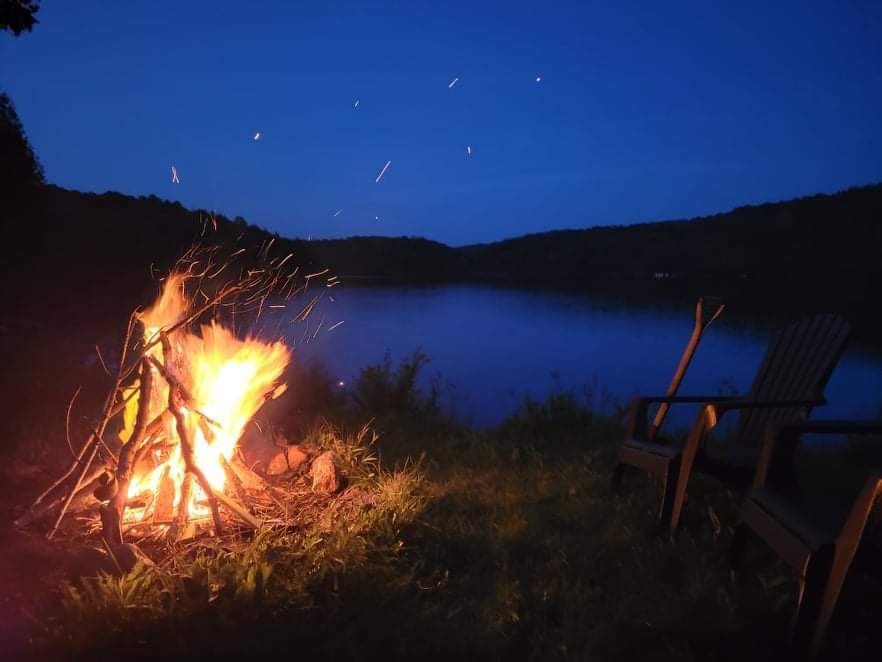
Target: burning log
(164,505)
(116,510)
(186,398)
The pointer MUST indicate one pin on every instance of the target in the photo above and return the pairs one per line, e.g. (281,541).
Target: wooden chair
(818,540)
(789,383)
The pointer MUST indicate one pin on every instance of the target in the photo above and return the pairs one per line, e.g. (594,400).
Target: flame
(229,379)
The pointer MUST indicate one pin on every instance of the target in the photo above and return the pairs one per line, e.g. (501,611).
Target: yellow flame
(229,378)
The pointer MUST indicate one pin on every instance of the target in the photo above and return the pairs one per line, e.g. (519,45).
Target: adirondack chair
(789,383)
(817,539)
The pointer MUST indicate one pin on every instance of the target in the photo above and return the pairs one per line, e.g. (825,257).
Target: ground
(500,544)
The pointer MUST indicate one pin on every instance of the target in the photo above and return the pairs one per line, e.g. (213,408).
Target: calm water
(492,347)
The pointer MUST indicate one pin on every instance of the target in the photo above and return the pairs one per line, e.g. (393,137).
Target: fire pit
(186,387)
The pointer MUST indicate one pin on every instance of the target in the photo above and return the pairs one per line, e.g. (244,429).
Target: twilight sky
(641,113)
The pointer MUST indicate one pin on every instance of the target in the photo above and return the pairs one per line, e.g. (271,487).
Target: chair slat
(797,366)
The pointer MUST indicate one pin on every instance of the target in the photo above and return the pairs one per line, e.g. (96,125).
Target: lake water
(492,347)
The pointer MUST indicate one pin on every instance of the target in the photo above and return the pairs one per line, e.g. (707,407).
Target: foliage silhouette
(17,16)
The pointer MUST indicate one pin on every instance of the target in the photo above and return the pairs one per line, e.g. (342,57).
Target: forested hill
(820,252)
(822,233)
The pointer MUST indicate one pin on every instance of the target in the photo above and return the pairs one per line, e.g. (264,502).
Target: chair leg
(811,598)
(669,490)
(838,571)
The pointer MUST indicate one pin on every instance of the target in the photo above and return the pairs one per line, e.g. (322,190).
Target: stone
(325,477)
(288,459)
(278,465)
(296,457)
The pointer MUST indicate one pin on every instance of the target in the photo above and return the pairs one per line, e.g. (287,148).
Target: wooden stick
(187,397)
(237,509)
(165,496)
(186,446)
(255,481)
(234,480)
(36,514)
(180,523)
(127,454)
(67,474)
(108,408)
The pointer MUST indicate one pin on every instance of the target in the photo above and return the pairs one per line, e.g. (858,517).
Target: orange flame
(229,379)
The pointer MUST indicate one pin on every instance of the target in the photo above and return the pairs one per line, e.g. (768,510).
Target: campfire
(184,416)
(186,387)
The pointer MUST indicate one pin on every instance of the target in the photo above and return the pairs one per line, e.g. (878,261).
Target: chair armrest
(781,441)
(749,403)
(832,427)
(636,425)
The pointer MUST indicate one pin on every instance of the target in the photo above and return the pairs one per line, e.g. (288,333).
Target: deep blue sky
(641,113)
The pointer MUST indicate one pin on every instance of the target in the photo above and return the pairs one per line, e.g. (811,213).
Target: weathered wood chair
(789,383)
(818,538)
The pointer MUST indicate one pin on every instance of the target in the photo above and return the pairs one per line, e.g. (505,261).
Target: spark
(337,213)
(175,179)
(538,79)
(377,218)
(331,328)
(469,150)
(341,383)
(356,104)
(382,172)
(452,83)
(257,136)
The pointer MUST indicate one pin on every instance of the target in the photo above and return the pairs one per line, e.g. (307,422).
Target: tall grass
(453,544)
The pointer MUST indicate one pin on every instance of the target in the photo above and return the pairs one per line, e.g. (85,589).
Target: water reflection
(494,346)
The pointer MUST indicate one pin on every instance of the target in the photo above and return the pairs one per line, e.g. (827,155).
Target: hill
(813,253)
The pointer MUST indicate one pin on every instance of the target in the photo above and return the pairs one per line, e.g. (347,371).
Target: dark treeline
(770,261)
(820,252)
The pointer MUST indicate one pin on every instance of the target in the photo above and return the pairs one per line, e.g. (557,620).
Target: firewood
(254,481)
(238,509)
(174,394)
(164,505)
(127,456)
(177,529)
(249,479)
(32,514)
(233,479)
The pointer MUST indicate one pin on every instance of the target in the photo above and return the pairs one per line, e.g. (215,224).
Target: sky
(576,114)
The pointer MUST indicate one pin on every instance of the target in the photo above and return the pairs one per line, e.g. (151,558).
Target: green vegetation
(502,545)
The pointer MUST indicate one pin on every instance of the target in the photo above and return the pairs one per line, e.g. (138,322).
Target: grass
(499,544)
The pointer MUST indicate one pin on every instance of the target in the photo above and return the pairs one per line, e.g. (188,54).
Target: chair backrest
(797,366)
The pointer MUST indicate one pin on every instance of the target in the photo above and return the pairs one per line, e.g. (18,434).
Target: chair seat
(814,518)
(653,448)
(649,456)
(734,465)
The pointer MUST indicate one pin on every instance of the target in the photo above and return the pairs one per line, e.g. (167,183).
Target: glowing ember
(382,172)
(226,380)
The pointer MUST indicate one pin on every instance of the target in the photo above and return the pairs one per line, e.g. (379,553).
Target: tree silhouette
(17,16)
(20,171)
